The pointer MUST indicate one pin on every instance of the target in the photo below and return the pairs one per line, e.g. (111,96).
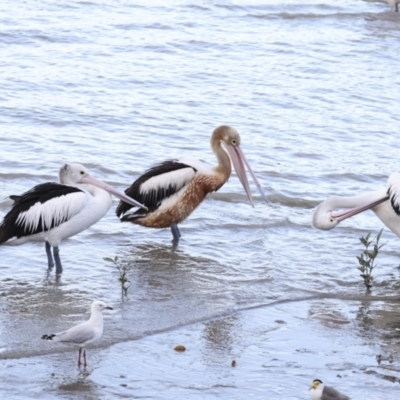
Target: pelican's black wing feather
(153,197)
(40,193)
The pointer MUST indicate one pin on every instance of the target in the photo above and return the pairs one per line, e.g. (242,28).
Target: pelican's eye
(332,220)
(82,173)
(234,142)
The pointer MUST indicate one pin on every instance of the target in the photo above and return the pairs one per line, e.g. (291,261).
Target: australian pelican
(51,212)
(172,189)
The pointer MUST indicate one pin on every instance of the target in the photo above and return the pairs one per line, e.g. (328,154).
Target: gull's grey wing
(330,393)
(77,335)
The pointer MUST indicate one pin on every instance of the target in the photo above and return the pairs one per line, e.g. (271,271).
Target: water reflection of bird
(319,391)
(84,333)
(394,4)
(385,203)
(51,212)
(173,189)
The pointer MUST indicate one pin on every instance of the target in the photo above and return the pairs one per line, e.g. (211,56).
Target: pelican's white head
(76,174)
(231,139)
(322,218)
(71,174)
(316,389)
(326,218)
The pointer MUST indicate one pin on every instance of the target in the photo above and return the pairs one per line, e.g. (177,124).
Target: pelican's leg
(50,260)
(79,357)
(84,358)
(56,253)
(175,232)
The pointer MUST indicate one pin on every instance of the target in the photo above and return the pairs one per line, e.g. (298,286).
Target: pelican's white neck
(335,202)
(326,218)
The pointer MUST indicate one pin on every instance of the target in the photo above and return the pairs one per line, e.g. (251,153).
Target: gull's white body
(84,333)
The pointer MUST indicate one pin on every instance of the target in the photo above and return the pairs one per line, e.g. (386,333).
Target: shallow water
(313,88)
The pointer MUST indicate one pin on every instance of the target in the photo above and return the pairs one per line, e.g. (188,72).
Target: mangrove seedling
(123,271)
(368,256)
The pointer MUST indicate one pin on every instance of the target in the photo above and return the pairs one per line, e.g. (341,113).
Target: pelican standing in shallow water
(51,212)
(84,333)
(173,189)
(385,203)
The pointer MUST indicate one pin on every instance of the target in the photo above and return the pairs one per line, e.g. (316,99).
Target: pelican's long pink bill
(122,196)
(253,175)
(240,171)
(238,161)
(342,215)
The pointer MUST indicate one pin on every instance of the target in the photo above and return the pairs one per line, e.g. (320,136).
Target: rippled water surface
(313,87)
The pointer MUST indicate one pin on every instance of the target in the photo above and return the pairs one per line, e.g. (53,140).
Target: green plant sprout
(368,256)
(123,270)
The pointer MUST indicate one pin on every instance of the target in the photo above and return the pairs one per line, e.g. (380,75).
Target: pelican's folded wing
(157,184)
(40,209)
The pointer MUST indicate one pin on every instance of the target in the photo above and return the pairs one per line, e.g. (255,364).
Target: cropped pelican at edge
(385,203)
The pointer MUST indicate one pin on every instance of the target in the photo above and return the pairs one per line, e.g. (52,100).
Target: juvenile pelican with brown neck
(173,189)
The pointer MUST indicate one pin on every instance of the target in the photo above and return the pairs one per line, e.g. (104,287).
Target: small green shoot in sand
(368,256)
(123,270)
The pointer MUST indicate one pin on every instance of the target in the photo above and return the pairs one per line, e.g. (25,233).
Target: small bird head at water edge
(316,389)
(74,174)
(231,140)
